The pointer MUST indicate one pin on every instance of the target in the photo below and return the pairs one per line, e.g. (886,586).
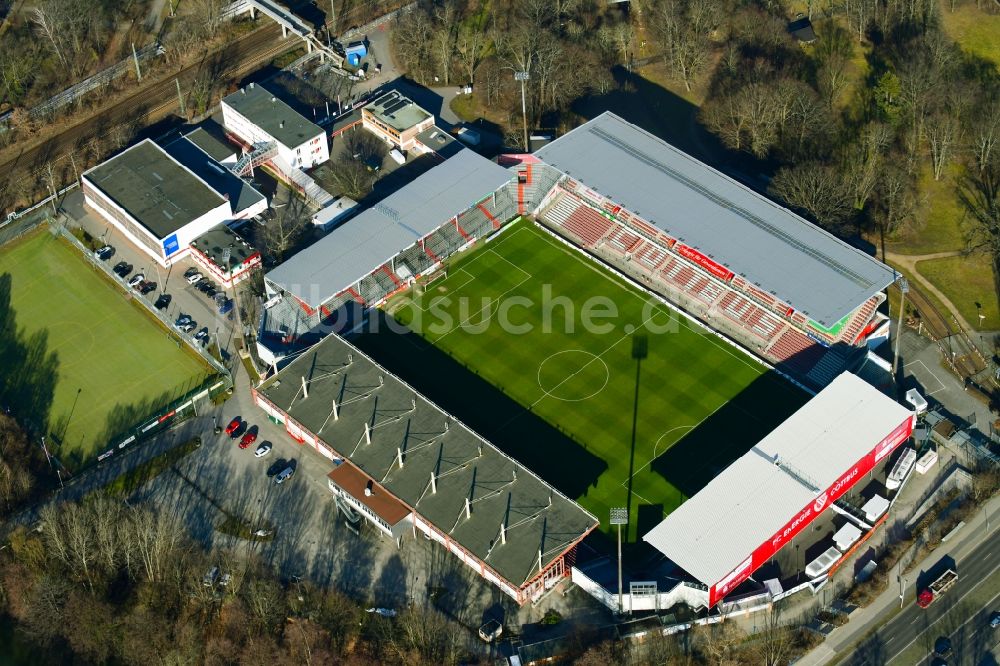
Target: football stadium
(627,386)
(677,335)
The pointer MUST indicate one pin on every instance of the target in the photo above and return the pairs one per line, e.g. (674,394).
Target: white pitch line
(596,357)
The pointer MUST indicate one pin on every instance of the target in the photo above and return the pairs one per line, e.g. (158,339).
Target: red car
(248,439)
(233,425)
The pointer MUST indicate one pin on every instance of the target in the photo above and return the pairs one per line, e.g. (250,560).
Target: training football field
(78,357)
(655,405)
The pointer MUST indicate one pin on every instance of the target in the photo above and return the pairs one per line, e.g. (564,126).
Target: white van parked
(397,156)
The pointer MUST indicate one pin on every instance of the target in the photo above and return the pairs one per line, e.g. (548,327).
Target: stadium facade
(793,294)
(752,271)
(382,251)
(407,467)
(758,505)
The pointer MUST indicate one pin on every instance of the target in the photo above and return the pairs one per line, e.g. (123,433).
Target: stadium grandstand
(382,250)
(789,291)
(408,468)
(808,464)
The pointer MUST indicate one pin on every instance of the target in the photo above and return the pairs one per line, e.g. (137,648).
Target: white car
(194,278)
(136,280)
(262,450)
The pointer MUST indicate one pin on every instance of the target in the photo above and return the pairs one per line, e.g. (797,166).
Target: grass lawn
(942,230)
(976,31)
(514,312)
(966,281)
(90,360)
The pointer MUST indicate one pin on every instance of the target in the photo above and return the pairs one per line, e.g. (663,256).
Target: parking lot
(185,298)
(309,538)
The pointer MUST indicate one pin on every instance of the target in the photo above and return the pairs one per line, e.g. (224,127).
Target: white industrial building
(256,117)
(162,198)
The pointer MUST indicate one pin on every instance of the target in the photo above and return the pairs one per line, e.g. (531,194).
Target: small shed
(802,30)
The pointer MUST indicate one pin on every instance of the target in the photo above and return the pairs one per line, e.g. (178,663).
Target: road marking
(957,602)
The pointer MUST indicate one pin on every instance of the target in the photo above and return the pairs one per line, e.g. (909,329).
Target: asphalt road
(154,101)
(914,630)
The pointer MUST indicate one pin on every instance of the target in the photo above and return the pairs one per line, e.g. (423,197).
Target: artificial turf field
(103,365)
(692,403)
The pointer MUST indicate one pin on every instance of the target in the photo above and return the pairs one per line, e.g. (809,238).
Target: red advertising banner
(803,518)
(716,269)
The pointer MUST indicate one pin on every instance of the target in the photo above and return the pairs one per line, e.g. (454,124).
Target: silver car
(284,474)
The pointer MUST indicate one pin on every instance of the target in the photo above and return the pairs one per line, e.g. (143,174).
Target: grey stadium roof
(240,193)
(431,441)
(272,115)
(716,530)
(154,188)
(811,270)
(359,246)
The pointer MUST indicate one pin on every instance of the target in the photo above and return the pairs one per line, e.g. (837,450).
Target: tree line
(567,48)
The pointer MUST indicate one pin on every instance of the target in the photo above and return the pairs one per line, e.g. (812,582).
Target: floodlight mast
(522,77)
(619,517)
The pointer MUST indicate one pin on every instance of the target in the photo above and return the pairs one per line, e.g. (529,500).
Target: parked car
(183,319)
(136,280)
(226,306)
(202,335)
(211,292)
(193,277)
(285,474)
(162,301)
(276,467)
(249,438)
(241,428)
(233,425)
(104,253)
(262,450)
(995,620)
(190,271)
(211,576)
(122,268)
(203,286)
(147,287)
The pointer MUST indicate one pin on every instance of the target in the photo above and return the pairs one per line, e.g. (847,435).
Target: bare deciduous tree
(283,232)
(816,189)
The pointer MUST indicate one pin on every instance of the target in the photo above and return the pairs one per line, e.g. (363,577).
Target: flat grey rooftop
(439,141)
(214,243)
(773,248)
(154,188)
(214,147)
(430,442)
(242,194)
(370,239)
(751,500)
(272,115)
(397,111)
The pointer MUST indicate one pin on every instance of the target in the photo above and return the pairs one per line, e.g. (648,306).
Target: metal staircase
(261,153)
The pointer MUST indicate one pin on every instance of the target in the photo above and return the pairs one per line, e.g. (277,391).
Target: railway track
(155,102)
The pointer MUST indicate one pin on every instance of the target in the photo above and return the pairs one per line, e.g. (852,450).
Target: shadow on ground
(30,370)
(518,432)
(729,433)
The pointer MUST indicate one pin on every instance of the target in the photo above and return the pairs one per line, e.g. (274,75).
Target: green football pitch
(653,405)
(80,360)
